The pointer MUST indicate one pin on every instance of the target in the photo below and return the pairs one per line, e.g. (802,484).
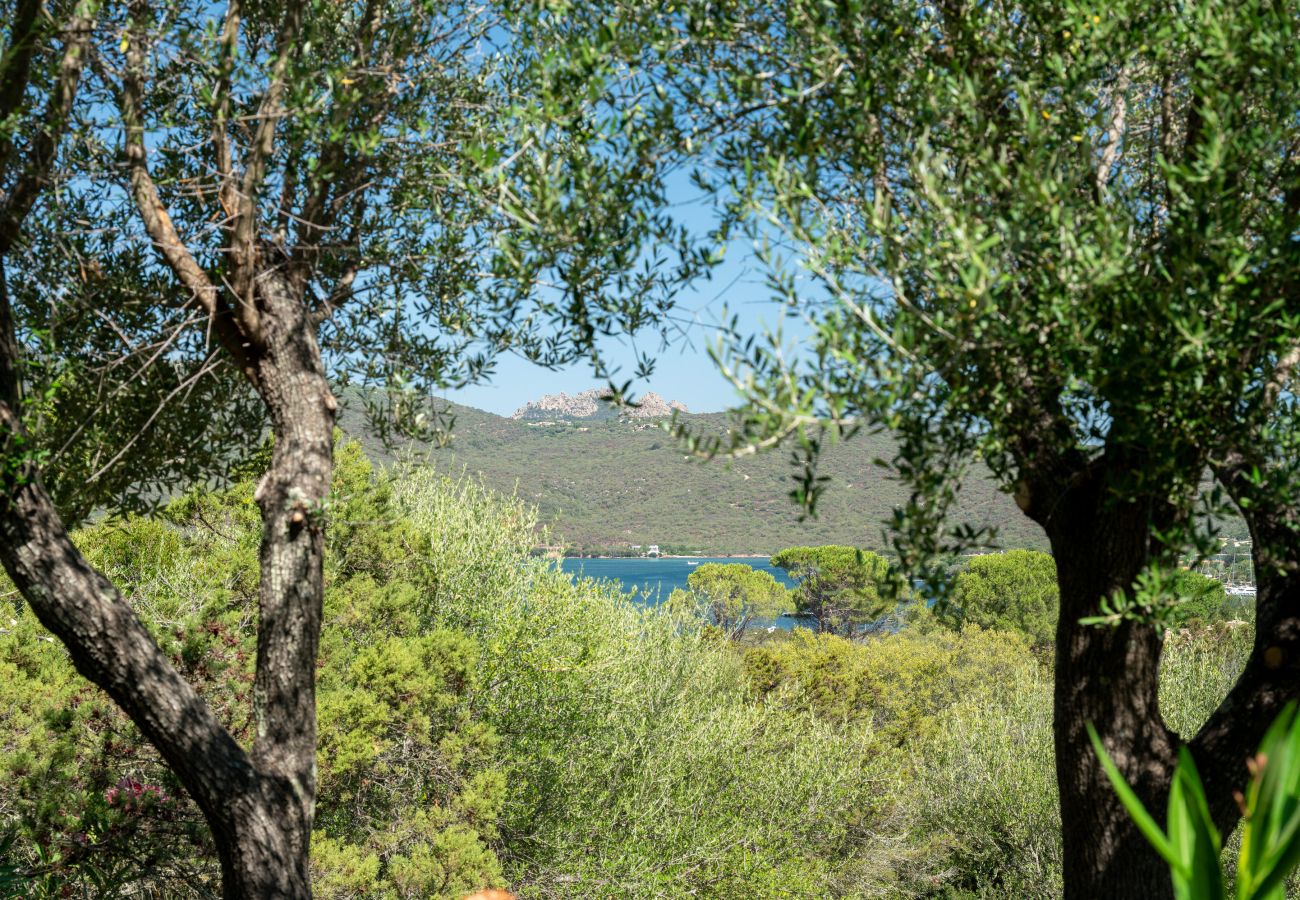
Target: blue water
(655,579)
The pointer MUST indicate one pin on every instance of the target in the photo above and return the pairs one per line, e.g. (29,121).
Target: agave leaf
(1262,799)
(1271,836)
(1193,836)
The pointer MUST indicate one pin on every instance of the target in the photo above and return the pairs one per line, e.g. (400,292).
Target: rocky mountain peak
(593,404)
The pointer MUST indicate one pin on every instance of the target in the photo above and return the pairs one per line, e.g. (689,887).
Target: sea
(655,579)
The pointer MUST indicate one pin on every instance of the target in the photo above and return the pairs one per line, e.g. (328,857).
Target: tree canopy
(731,595)
(840,588)
(1061,240)
(1011,591)
(239,209)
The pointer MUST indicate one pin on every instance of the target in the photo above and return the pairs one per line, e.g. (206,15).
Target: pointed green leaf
(1193,836)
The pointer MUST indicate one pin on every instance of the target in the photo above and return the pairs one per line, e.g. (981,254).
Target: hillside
(605,483)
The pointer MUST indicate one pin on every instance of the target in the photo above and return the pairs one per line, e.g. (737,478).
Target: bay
(655,579)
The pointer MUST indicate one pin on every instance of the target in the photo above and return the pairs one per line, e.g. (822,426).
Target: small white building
(652,550)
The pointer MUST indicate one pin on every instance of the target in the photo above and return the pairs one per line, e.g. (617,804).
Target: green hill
(604,484)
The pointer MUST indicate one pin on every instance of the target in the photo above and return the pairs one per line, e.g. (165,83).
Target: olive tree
(1061,240)
(302,195)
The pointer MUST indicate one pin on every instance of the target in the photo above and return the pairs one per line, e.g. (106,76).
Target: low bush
(410,790)
(640,764)
(485,720)
(898,683)
(983,801)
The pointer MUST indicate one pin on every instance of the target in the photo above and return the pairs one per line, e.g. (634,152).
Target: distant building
(652,550)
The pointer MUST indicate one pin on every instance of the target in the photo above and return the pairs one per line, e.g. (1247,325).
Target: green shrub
(983,808)
(411,791)
(485,720)
(729,596)
(1198,669)
(839,587)
(897,683)
(1202,601)
(640,764)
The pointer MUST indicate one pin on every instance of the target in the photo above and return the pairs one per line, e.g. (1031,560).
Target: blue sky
(683,370)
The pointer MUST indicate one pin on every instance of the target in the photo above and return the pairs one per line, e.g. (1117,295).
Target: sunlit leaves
(1270,842)
(1014,232)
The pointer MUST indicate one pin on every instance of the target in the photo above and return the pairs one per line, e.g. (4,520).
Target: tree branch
(105,639)
(229,46)
(1115,132)
(1271,677)
(153,213)
(318,214)
(16,67)
(45,144)
(243,250)
(109,645)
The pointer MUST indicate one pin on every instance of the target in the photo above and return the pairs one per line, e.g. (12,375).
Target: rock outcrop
(594,405)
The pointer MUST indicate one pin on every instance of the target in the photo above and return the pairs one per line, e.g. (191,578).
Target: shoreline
(678,556)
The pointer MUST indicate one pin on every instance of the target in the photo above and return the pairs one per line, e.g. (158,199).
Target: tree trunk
(1109,676)
(1269,680)
(259,806)
(1271,676)
(292,497)
(261,848)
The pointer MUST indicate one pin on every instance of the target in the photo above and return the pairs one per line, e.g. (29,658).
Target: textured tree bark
(292,497)
(258,806)
(1107,676)
(1270,680)
(1271,677)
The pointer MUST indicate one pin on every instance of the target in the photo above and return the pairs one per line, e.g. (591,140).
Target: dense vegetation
(486,721)
(1048,247)
(603,483)
(729,597)
(1059,239)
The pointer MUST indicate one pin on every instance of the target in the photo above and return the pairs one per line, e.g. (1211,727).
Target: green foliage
(1098,302)
(406,773)
(1012,591)
(1017,590)
(77,351)
(1270,841)
(485,720)
(640,765)
(1198,668)
(839,587)
(980,799)
(899,682)
(729,596)
(411,788)
(514,155)
(1171,598)
(88,808)
(600,483)
(1201,600)
(980,804)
